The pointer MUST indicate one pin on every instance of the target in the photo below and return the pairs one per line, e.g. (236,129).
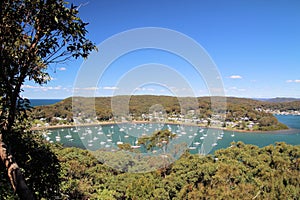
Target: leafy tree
(239,172)
(158,139)
(33,35)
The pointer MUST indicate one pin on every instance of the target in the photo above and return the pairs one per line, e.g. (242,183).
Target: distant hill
(241,113)
(278,99)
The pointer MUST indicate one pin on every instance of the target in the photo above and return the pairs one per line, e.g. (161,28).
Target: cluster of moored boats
(110,136)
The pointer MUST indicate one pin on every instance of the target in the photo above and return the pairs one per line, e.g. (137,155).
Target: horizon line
(282,97)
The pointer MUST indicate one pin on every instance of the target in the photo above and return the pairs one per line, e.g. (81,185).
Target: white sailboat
(192,148)
(201,150)
(120,141)
(136,146)
(232,134)
(68,136)
(57,138)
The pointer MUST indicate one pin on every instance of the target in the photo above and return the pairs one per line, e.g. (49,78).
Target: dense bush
(239,172)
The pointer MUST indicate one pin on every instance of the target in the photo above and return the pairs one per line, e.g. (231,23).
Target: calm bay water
(292,121)
(197,139)
(43,102)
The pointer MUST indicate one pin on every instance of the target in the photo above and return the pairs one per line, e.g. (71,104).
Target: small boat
(82,137)
(57,138)
(69,135)
(49,133)
(192,147)
(197,143)
(136,146)
(95,138)
(89,131)
(120,141)
(214,144)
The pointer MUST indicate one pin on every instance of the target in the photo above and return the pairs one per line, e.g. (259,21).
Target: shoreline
(147,122)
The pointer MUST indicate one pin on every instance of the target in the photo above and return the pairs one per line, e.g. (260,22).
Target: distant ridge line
(278,99)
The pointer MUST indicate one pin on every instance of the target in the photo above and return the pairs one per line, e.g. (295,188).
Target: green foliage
(284,106)
(82,175)
(34,35)
(239,172)
(158,139)
(39,164)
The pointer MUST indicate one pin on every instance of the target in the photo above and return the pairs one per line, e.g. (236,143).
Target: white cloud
(235,77)
(87,88)
(293,81)
(145,89)
(29,86)
(62,69)
(43,88)
(110,88)
(54,88)
(236,89)
(52,78)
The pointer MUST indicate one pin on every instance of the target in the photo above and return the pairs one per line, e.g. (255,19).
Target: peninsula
(240,114)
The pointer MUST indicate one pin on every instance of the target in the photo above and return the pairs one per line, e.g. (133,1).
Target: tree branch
(14,173)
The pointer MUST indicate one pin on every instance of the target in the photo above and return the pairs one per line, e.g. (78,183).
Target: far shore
(147,122)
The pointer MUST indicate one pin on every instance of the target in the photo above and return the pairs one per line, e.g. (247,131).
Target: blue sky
(255,46)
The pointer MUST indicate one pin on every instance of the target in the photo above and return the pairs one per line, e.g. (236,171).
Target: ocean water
(198,140)
(43,102)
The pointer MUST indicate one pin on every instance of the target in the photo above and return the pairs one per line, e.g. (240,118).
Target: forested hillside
(241,113)
(240,172)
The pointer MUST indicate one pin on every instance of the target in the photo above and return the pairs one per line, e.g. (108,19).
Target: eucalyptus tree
(33,36)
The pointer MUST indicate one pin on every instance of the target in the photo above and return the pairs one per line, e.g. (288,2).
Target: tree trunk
(14,173)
